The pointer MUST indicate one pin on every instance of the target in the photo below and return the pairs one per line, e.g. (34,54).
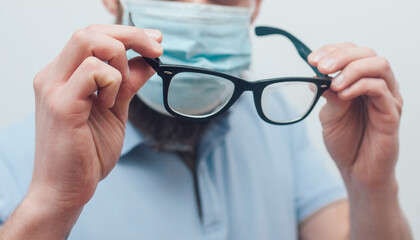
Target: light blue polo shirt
(255,181)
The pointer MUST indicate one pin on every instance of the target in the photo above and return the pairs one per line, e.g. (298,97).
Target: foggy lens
(287,101)
(198,95)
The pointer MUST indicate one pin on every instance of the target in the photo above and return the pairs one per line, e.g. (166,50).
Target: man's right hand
(82,100)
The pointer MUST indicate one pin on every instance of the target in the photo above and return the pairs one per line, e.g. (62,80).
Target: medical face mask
(200,35)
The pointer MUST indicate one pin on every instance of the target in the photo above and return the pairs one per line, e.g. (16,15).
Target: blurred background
(34,32)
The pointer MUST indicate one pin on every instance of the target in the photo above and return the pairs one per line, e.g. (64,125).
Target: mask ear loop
(123,4)
(126,12)
(252,8)
(125,16)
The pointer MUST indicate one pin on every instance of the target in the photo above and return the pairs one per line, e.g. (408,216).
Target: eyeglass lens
(198,95)
(287,101)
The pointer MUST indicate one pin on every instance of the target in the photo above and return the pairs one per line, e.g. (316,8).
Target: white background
(33,33)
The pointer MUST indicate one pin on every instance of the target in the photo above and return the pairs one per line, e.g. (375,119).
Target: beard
(167,133)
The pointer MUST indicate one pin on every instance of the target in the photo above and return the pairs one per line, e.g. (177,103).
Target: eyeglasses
(271,96)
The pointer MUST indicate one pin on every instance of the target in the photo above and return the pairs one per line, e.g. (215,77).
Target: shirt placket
(212,216)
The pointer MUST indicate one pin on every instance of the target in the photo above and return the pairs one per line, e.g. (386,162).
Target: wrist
(375,211)
(369,177)
(36,218)
(379,193)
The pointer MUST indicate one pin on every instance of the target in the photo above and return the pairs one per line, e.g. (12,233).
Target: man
(233,177)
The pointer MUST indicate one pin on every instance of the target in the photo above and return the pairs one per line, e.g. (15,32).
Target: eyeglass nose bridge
(245,86)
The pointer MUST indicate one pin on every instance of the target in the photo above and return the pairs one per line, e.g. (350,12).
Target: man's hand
(360,127)
(82,100)
(362,115)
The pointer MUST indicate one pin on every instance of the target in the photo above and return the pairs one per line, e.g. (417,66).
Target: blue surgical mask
(201,35)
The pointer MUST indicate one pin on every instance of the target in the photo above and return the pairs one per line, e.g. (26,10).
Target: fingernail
(156,45)
(328,63)
(337,81)
(317,56)
(152,33)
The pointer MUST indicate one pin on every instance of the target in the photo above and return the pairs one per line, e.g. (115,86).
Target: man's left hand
(362,115)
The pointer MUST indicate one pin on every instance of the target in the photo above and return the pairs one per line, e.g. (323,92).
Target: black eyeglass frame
(168,71)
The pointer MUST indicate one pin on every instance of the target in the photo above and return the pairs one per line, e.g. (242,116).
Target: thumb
(140,72)
(334,108)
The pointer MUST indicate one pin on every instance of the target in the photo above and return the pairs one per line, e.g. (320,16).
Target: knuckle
(384,63)
(115,76)
(400,100)
(79,36)
(120,47)
(93,28)
(337,46)
(349,44)
(400,104)
(369,51)
(341,55)
(118,76)
(81,39)
(328,48)
(91,63)
(365,84)
(356,68)
(382,86)
(38,80)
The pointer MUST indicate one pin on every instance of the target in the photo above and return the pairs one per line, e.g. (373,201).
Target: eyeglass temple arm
(153,62)
(302,49)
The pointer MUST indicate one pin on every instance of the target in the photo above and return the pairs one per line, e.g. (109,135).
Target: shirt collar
(214,135)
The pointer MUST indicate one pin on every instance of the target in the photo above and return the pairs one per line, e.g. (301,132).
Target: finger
(85,43)
(98,45)
(94,75)
(374,67)
(127,34)
(338,59)
(140,73)
(316,56)
(334,100)
(334,108)
(377,91)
